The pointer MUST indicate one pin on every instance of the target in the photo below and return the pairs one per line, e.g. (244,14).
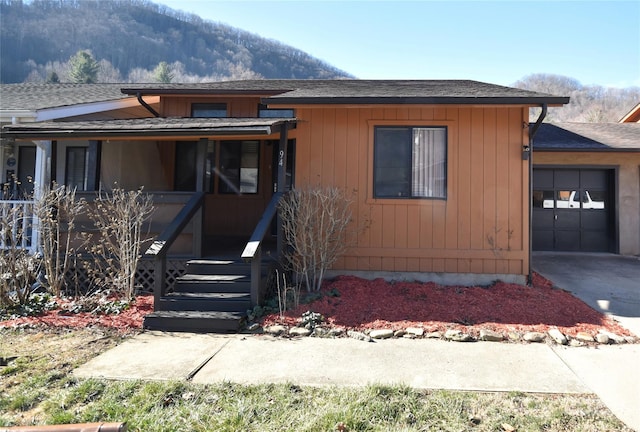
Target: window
(238,168)
(185,176)
(410,162)
(265,112)
(76,175)
(208,110)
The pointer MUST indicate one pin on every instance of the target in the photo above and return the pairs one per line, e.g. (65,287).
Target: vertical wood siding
(479,228)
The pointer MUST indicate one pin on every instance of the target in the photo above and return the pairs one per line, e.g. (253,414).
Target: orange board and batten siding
(482,225)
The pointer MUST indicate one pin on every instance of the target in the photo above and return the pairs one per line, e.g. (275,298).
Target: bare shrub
(119,217)
(57,209)
(314,224)
(18,268)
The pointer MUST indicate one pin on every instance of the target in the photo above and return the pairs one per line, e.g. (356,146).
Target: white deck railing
(18,227)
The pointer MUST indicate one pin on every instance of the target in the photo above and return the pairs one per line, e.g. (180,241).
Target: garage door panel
(594,220)
(593,178)
(566,179)
(567,219)
(543,220)
(543,240)
(594,241)
(543,179)
(567,240)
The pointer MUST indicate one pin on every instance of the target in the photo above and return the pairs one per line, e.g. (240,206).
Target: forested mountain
(588,103)
(129,38)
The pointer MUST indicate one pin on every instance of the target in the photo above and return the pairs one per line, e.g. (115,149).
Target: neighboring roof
(42,102)
(632,116)
(156,126)
(42,96)
(588,137)
(293,92)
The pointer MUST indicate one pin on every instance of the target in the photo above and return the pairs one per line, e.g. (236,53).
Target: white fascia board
(17,116)
(91,108)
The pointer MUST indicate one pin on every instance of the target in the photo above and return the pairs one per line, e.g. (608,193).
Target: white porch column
(41,180)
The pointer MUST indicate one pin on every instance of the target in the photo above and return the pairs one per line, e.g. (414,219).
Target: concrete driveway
(606,282)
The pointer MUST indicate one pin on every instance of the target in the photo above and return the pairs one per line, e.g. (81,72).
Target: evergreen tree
(84,69)
(163,73)
(52,78)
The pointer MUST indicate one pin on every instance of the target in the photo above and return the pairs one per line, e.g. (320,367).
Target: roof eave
(446,100)
(137,133)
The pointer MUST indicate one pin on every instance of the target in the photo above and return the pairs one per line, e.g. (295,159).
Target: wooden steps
(211,297)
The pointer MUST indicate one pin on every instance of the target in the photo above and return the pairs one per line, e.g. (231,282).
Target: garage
(574,209)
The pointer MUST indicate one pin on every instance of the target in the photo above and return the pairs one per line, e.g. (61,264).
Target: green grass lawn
(38,388)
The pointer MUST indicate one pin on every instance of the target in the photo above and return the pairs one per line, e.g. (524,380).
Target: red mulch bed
(377,304)
(502,307)
(125,321)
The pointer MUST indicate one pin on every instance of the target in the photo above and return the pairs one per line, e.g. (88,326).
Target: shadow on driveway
(608,283)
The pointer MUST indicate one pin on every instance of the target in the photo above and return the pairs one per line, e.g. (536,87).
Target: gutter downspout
(146,105)
(532,134)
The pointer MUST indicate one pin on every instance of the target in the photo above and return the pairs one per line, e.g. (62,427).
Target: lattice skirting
(78,280)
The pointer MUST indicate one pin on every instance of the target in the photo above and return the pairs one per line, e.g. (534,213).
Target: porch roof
(146,127)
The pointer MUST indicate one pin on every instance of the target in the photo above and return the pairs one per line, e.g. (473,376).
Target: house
(632,116)
(439,171)
(586,187)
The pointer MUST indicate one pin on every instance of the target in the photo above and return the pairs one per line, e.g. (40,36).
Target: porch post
(93,165)
(201,178)
(282,181)
(42,178)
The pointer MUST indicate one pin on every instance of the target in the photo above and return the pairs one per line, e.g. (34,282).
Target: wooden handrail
(253,250)
(161,245)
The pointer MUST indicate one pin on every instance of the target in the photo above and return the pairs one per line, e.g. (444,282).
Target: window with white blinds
(410,162)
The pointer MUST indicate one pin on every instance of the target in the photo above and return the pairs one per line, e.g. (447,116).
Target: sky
(595,42)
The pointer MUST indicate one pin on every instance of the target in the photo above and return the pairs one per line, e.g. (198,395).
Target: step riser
(212,287)
(196,325)
(219,269)
(167,304)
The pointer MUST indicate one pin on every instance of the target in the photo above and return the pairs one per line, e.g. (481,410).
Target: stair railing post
(159,279)
(256,274)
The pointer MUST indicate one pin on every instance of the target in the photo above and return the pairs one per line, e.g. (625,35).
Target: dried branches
(314,224)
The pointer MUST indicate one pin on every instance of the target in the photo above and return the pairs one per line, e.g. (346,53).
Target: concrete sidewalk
(611,372)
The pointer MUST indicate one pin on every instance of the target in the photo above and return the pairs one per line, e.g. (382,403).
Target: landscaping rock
(584,337)
(458,336)
(490,335)
(416,331)
(557,336)
(399,333)
(576,343)
(254,327)
(433,335)
(534,337)
(602,338)
(630,339)
(513,336)
(359,336)
(320,332)
(335,332)
(299,331)
(409,336)
(613,337)
(275,330)
(381,334)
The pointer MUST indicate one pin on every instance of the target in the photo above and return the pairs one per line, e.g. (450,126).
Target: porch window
(410,162)
(208,110)
(76,168)
(238,167)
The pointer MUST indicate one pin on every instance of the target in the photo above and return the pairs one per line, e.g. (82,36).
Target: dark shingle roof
(154,126)
(360,91)
(588,136)
(42,96)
